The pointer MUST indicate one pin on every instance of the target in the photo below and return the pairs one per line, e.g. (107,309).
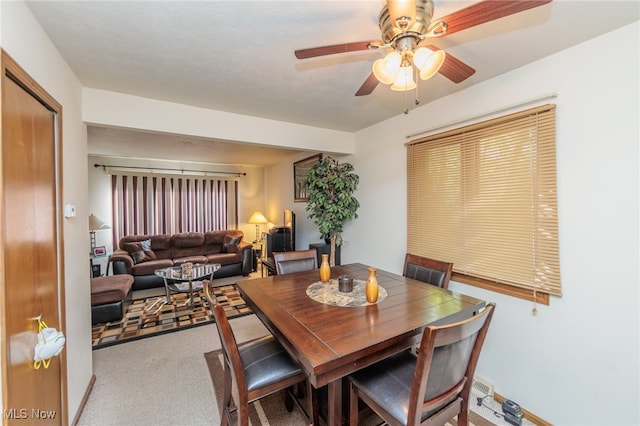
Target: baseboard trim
(83,403)
(527,414)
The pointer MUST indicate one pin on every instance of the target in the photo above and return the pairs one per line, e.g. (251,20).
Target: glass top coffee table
(179,279)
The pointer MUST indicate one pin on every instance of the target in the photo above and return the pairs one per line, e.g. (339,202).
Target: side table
(257,254)
(96,263)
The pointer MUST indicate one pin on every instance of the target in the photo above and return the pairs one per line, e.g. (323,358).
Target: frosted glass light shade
(428,61)
(404,80)
(386,69)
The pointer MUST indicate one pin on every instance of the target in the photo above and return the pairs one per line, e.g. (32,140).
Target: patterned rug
(152,316)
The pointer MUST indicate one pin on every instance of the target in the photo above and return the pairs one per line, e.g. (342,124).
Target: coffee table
(178,281)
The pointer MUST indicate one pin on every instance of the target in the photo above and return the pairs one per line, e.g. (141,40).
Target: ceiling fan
(407,29)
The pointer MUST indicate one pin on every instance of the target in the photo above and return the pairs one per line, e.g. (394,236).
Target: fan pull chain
(417,79)
(406,101)
(406,95)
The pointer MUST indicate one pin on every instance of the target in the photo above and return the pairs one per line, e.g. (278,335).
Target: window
(168,205)
(484,198)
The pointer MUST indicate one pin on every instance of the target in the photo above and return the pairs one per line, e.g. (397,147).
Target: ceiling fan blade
(453,68)
(367,87)
(485,11)
(335,48)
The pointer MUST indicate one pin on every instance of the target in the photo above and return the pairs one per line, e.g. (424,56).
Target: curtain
(168,205)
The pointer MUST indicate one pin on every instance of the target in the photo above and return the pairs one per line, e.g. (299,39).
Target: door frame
(11,69)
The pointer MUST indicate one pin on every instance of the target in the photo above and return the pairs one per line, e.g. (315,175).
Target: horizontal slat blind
(484,198)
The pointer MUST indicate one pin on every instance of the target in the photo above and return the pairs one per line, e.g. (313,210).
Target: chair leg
(243,414)
(225,418)
(463,415)
(353,405)
(288,399)
(225,412)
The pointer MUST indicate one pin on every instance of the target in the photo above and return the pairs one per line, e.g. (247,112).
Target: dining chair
(259,367)
(428,388)
(427,270)
(288,262)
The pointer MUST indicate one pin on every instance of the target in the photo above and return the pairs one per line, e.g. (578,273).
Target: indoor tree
(330,186)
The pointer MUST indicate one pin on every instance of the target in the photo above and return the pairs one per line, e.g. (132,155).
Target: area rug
(151,316)
(271,409)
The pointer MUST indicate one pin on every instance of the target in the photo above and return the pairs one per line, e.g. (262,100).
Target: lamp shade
(257,218)
(404,80)
(96,224)
(428,61)
(386,69)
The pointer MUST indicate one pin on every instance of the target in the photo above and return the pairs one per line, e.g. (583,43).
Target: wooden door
(31,249)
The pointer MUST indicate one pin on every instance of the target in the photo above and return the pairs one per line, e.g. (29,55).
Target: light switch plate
(69,210)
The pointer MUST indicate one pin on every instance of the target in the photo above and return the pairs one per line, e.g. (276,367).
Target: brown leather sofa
(141,255)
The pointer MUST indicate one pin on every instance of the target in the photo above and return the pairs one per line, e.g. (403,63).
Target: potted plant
(330,186)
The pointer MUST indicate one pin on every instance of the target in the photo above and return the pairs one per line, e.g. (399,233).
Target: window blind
(484,197)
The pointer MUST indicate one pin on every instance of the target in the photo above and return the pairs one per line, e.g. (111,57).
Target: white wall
(279,196)
(576,362)
(23,39)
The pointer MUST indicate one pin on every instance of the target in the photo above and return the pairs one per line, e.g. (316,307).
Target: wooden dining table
(330,342)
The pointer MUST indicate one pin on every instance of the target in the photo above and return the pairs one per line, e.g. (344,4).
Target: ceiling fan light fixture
(407,24)
(404,81)
(386,69)
(428,61)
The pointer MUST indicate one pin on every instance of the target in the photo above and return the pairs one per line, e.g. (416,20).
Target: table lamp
(258,219)
(95,224)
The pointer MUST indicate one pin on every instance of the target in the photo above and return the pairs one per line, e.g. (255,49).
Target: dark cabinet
(279,239)
(324,248)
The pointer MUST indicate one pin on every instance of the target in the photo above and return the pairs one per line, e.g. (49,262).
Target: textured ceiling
(237,56)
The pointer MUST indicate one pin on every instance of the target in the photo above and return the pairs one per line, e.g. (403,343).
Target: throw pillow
(139,257)
(146,245)
(138,254)
(228,242)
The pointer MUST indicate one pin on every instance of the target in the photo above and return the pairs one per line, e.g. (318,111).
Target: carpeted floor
(271,409)
(151,316)
(165,381)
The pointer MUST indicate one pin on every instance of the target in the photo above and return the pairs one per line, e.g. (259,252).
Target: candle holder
(345,283)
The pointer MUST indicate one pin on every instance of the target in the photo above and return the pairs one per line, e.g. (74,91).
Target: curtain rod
(170,171)
(484,114)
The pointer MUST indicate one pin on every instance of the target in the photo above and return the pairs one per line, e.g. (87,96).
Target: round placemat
(330,295)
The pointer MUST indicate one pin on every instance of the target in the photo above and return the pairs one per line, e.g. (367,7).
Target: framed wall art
(99,251)
(300,171)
